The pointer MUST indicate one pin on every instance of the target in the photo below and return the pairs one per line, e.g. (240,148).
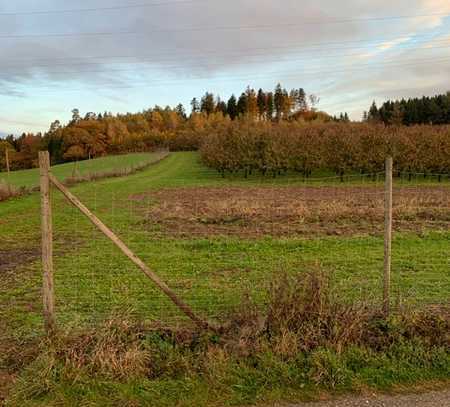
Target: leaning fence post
(47,242)
(387,235)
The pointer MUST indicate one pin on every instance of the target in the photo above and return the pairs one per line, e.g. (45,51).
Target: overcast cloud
(168,53)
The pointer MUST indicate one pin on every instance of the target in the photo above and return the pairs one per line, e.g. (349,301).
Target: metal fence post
(387,235)
(47,242)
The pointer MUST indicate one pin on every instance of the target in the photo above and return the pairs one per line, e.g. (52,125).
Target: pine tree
(301,100)
(374,114)
(270,106)
(75,116)
(180,111)
(397,115)
(262,104)
(286,104)
(242,105)
(208,104)
(221,107)
(232,108)
(195,106)
(278,102)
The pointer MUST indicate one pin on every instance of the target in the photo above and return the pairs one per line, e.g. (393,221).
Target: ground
(216,241)
(433,399)
(293,211)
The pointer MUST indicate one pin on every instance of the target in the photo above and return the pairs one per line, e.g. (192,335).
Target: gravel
(432,399)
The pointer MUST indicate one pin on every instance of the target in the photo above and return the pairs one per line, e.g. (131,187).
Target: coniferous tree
(242,105)
(374,115)
(424,110)
(75,116)
(262,104)
(208,104)
(278,99)
(232,108)
(180,111)
(270,106)
(221,107)
(195,106)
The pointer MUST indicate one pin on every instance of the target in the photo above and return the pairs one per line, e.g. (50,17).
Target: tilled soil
(291,211)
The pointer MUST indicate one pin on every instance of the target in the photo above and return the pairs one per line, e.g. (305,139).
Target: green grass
(93,280)
(30,178)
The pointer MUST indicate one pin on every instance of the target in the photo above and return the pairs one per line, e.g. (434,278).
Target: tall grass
(307,338)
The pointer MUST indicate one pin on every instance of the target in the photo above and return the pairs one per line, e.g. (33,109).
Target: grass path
(30,178)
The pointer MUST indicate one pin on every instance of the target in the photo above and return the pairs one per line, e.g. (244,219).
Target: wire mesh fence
(217,242)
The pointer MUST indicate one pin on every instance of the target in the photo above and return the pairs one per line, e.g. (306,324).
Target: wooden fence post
(8,169)
(7,162)
(47,242)
(387,236)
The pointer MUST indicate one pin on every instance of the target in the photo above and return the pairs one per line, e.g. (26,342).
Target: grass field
(30,178)
(200,249)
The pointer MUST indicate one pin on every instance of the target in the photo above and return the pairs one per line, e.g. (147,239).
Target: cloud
(216,41)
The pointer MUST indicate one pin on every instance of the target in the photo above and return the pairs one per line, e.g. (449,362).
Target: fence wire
(218,244)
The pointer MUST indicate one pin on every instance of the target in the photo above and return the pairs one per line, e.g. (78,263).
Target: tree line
(425,110)
(269,149)
(98,134)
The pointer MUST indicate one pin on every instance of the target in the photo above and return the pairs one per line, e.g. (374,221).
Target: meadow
(218,242)
(30,178)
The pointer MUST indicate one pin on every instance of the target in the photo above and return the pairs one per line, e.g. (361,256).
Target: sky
(126,56)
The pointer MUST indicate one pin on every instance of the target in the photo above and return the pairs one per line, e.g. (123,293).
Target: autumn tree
(251,108)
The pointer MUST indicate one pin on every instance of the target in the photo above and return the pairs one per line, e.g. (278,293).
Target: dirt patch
(292,211)
(13,258)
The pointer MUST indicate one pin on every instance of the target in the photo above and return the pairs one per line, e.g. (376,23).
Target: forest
(98,134)
(425,110)
(280,130)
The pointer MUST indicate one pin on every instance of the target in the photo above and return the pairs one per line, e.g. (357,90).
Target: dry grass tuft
(114,350)
(305,313)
